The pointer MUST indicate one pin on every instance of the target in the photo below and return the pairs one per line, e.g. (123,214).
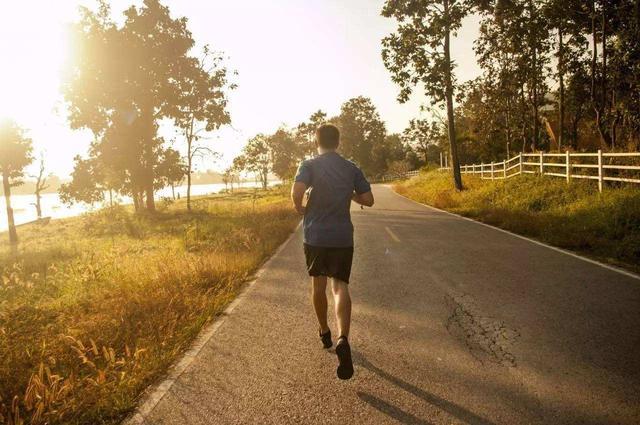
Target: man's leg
(319,299)
(342,301)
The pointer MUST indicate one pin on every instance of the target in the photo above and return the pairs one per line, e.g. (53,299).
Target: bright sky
(272,44)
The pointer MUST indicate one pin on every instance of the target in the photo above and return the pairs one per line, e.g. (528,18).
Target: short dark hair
(328,136)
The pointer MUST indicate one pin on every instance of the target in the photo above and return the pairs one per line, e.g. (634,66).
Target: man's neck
(322,151)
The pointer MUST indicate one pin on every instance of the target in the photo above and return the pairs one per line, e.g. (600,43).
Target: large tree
(15,154)
(362,130)
(135,71)
(419,54)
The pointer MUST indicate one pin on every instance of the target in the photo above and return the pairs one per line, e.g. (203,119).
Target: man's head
(328,137)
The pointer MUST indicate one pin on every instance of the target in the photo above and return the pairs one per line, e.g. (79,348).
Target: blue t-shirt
(332,179)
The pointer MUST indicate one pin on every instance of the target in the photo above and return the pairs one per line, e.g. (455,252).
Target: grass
(605,226)
(93,309)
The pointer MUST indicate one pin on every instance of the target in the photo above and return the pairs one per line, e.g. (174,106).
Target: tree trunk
(455,165)
(38,204)
(149,157)
(189,163)
(561,82)
(151,203)
(13,234)
(599,104)
(534,59)
(136,201)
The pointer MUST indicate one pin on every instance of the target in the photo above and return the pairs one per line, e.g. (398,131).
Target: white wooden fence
(600,166)
(396,176)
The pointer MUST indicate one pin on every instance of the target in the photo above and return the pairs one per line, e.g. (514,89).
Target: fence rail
(600,166)
(396,176)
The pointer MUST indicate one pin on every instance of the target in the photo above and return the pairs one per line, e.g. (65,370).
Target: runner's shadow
(391,410)
(453,409)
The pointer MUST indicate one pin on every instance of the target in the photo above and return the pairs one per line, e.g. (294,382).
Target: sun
(33,46)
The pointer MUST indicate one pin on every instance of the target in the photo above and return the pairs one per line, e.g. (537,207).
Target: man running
(328,233)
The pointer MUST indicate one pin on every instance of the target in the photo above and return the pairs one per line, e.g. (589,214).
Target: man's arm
(297,195)
(365,199)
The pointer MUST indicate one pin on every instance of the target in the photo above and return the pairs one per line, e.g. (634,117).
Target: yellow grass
(575,216)
(93,309)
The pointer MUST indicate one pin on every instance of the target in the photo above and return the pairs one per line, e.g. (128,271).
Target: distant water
(24,209)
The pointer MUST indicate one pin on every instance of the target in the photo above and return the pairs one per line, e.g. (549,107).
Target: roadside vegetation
(605,226)
(93,309)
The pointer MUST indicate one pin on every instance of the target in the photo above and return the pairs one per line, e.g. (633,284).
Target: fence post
(600,170)
(504,168)
(568,162)
(446,161)
(520,162)
(541,163)
(492,168)
(440,160)
(482,170)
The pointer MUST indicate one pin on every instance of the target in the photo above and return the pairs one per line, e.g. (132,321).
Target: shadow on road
(453,409)
(391,410)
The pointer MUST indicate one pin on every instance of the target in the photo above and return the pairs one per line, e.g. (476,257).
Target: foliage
(124,78)
(15,152)
(84,185)
(541,71)
(285,153)
(202,104)
(419,54)
(362,131)
(257,158)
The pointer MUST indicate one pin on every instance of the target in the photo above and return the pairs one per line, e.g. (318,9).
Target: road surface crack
(487,338)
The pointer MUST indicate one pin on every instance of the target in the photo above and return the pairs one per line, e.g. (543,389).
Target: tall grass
(94,308)
(575,216)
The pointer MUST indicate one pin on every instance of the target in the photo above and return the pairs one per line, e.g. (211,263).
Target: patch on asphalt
(487,338)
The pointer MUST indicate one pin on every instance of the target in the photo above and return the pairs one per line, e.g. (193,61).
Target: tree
(41,184)
(391,150)
(285,154)
(203,105)
(171,170)
(15,154)
(419,53)
(135,71)
(85,185)
(361,131)
(256,158)
(422,136)
(305,133)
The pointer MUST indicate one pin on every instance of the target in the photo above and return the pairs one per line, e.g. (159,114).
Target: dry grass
(604,226)
(93,309)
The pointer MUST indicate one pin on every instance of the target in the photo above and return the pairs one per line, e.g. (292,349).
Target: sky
(279,49)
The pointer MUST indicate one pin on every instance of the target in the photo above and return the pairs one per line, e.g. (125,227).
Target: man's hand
(364,199)
(297,195)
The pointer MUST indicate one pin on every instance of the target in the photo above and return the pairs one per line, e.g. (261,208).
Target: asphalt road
(453,322)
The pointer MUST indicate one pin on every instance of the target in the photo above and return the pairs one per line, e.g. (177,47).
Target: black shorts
(330,262)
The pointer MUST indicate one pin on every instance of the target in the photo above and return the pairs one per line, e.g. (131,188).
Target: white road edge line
(157,391)
(564,251)
(393,235)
